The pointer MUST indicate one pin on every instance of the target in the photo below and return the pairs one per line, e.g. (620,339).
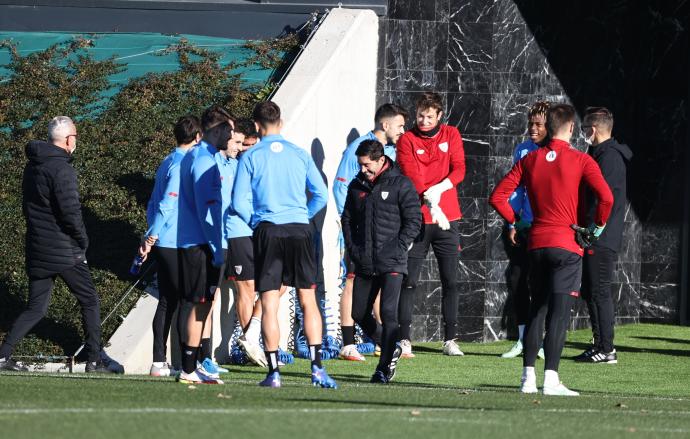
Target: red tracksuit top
(428,161)
(552,176)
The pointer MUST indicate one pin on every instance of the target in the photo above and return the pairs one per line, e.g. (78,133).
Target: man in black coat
(56,241)
(380,221)
(600,258)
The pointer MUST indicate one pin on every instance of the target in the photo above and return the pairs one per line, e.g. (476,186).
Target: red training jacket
(552,176)
(428,161)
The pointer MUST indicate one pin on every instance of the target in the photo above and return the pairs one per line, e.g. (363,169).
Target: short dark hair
(214,116)
(386,111)
(266,113)
(246,127)
(601,117)
(539,108)
(429,99)
(186,129)
(558,116)
(370,148)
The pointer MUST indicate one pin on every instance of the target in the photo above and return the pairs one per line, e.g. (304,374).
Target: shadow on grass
(664,339)
(386,404)
(636,350)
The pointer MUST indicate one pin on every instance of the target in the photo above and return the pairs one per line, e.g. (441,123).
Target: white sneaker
(528,380)
(559,390)
(514,351)
(451,348)
(350,353)
(162,370)
(199,376)
(254,352)
(406,346)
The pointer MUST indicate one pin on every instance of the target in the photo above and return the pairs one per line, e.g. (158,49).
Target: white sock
(528,373)
(159,363)
(521,331)
(551,378)
(254,330)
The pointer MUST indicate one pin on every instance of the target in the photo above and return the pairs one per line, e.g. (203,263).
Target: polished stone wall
(490,59)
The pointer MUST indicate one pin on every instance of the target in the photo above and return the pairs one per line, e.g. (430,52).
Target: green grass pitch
(646,395)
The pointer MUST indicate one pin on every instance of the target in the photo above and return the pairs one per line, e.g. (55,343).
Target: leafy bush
(121,142)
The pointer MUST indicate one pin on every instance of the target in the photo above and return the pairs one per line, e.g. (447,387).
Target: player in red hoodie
(432,156)
(552,175)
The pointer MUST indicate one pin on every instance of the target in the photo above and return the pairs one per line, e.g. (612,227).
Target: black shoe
(394,362)
(603,358)
(379,377)
(12,366)
(97,367)
(585,355)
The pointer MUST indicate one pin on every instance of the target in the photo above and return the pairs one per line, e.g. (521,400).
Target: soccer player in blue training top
(517,248)
(161,214)
(277,173)
(381,220)
(201,240)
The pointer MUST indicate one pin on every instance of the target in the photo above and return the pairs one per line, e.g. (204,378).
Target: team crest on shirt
(551,156)
(238,269)
(443,146)
(420,151)
(384,195)
(276,147)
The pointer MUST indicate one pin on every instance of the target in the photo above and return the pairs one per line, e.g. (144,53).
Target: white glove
(439,217)
(433,194)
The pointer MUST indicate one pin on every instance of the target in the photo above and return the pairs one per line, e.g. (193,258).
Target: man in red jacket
(431,155)
(552,176)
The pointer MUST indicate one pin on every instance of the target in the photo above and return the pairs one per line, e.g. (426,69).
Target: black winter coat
(55,234)
(380,221)
(612,158)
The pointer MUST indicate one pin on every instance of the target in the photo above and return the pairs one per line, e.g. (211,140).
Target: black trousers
(517,275)
(80,284)
(555,284)
(446,249)
(168,299)
(364,292)
(598,266)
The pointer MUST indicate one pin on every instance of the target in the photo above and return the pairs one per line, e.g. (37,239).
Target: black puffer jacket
(55,233)
(380,221)
(612,158)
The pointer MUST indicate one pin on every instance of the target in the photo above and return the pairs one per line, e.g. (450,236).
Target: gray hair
(59,127)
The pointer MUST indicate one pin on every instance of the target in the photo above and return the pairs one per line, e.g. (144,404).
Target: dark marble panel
(631,250)
(442,10)
(476,144)
(504,146)
(416,45)
(469,112)
(626,299)
(427,298)
(660,273)
(535,58)
(471,299)
(496,271)
(660,243)
(498,168)
(494,330)
(473,208)
(627,272)
(383,37)
(405,99)
(659,302)
(469,82)
(381,82)
(509,52)
(471,271)
(474,184)
(426,328)
(539,84)
(412,10)
(508,114)
(471,329)
(429,271)
(469,46)
(495,244)
(580,309)
(415,80)
(506,11)
(579,322)
(476,11)
(472,240)
(496,297)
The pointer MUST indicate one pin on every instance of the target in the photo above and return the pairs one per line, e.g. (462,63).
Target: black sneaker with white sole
(603,358)
(12,366)
(585,355)
(394,362)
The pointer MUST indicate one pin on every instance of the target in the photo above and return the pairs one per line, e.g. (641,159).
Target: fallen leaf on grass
(631,430)
(190,387)
(415,413)
(536,401)
(621,405)
(224,396)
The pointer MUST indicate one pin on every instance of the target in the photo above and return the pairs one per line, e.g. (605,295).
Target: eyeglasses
(70,135)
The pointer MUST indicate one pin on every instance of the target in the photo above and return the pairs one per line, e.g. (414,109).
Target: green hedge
(121,142)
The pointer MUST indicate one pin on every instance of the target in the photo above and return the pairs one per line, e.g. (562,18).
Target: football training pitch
(646,395)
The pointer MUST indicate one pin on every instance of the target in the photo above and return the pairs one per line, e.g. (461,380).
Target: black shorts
(199,276)
(284,254)
(169,274)
(446,243)
(554,271)
(240,260)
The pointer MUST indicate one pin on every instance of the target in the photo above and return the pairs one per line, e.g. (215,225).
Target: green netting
(139,52)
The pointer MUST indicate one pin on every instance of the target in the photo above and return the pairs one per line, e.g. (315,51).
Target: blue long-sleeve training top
(161,211)
(519,200)
(276,172)
(349,168)
(200,205)
(233,225)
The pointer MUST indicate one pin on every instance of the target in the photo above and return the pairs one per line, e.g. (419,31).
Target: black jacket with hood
(612,158)
(380,221)
(55,234)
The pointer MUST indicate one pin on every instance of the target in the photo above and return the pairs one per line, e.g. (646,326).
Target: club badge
(551,156)
(276,147)
(384,195)
(443,146)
